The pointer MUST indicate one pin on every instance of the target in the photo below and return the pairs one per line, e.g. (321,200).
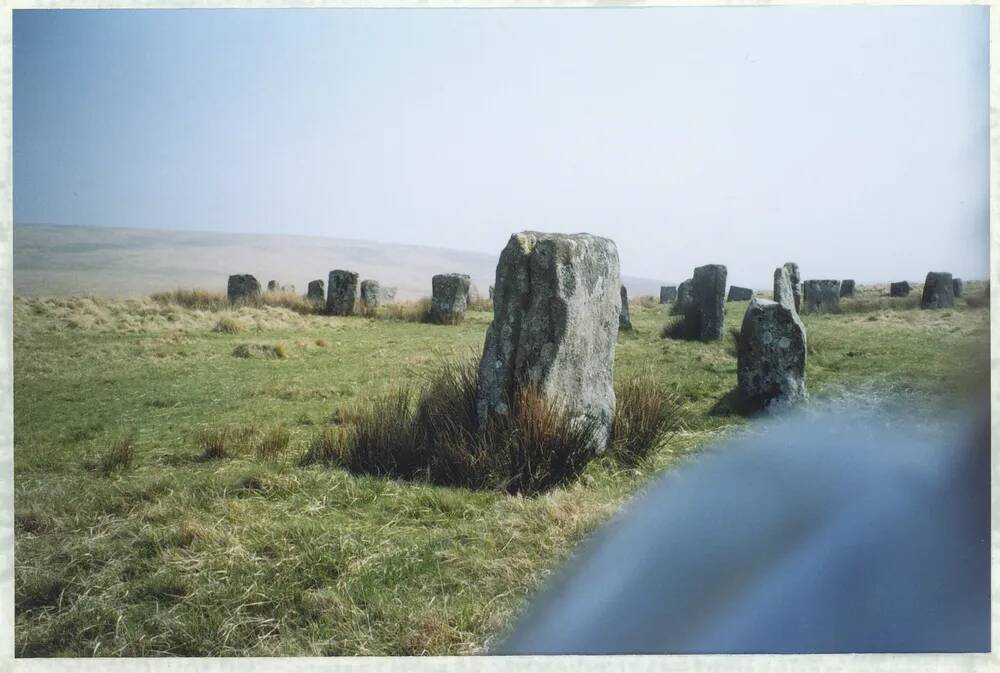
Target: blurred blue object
(842,531)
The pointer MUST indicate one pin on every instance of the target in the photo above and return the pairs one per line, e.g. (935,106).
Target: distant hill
(60,260)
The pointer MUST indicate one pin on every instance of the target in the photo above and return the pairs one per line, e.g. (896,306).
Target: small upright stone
(939,290)
(448,299)
(796,280)
(624,321)
(771,356)
(956,287)
(737,293)
(316,291)
(820,296)
(847,288)
(683,302)
(706,315)
(272,286)
(491,293)
(784,293)
(668,293)
(555,326)
(242,287)
(900,289)
(371,294)
(341,291)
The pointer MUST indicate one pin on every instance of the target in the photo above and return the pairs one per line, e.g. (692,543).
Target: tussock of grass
(266,351)
(646,301)
(117,458)
(200,299)
(266,445)
(406,311)
(645,417)
(480,304)
(228,325)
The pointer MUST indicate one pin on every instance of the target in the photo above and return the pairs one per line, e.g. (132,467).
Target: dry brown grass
(197,298)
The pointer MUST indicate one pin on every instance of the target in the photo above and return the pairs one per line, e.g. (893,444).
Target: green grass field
(252,554)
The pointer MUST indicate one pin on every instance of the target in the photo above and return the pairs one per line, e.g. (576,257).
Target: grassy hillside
(171,553)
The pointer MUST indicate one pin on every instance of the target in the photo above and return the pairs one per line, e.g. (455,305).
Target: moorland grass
(255,554)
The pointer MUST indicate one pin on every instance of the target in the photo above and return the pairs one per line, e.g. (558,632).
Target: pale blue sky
(851,140)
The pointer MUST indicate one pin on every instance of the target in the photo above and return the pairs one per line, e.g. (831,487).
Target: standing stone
(242,287)
(371,294)
(386,295)
(624,321)
(939,290)
(491,293)
(449,298)
(555,325)
(272,286)
(316,292)
(796,280)
(900,289)
(956,287)
(668,293)
(707,313)
(820,296)
(847,288)
(683,302)
(771,355)
(737,293)
(784,293)
(341,291)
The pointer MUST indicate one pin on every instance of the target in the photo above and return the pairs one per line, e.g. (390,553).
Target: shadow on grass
(731,404)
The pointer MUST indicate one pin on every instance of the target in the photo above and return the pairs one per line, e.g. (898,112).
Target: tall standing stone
(683,302)
(956,287)
(624,321)
(900,289)
(737,293)
(784,293)
(449,296)
(272,286)
(668,293)
(706,315)
(316,291)
(939,290)
(771,355)
(341,291)
(847,288)
(820,296)
(242,287)
(796,280)
(371,294)
(555,323)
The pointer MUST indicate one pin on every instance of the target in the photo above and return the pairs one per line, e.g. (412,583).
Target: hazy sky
(851,140)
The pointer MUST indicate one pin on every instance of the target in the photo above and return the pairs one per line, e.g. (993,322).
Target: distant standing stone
(242,287)
(386,295)
(783,293)
(341,291)
(847,288)
(668,293)
(956,287)
(448,299)
(900,289)
(683,297)
(820,296)
(796,280)
(555,326)
(624,321)
(737,293)
(316,291)
(939,290)
(272,285)
(706,315)
(371,294)
(771,356)
(491,293)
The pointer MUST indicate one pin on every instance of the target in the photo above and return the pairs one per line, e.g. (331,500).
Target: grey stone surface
(683,302)
(771,356)
(341,292)
(784,292)
(705,317)
(668,293)
(386,295)
(371,294)
(847,288)
(820,296)
(491,293)
(737,293)
(900,289)
(316,291)
(939,290)
(272,285)
(242,287)
(796,281)
(449,298)
(624,320)
(957,287)
(555,322)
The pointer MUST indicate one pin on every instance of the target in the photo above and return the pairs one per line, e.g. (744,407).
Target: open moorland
(137,535)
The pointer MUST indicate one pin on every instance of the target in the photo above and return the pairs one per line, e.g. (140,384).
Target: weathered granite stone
(683,302)
(272,285)
(796,280)
(939,290)
(706,314)
(847,288)
(668,293)
(900,289)
(957,287)
(491,293)
(242,287)
(624,321)
(316,291)
(371,294)
(449,298)
(341,291)
(771,355)
(820,296)
(784,293)
(737,293)
(555,323)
